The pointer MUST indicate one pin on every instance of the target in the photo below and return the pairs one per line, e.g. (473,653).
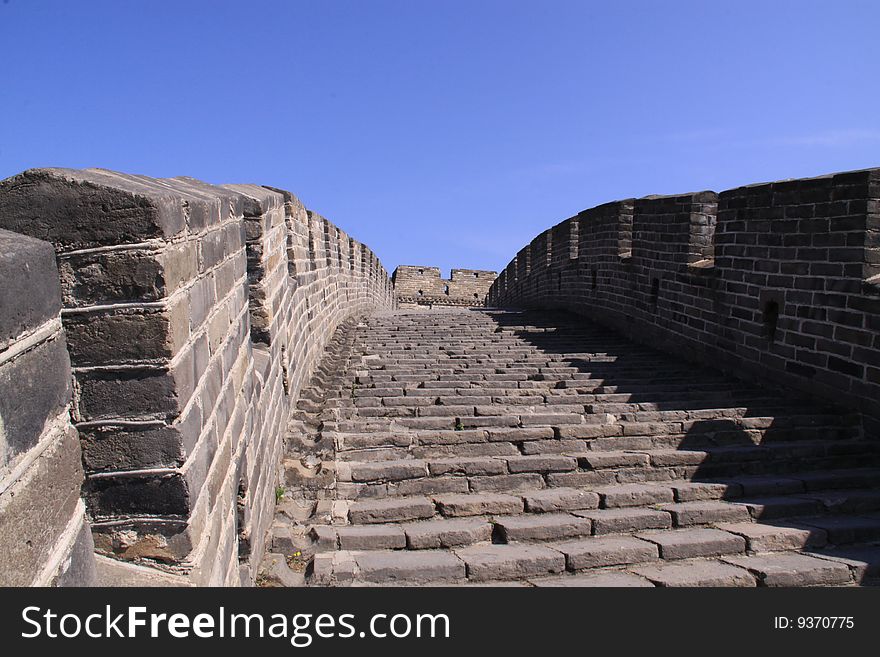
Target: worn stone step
(842,530)
(432,534)
(846,501)
(369,537)
(630,495)
(409,567)
(606,551)
(570,447)
(690,543)
(694,573)
(390,510)
(373,471)
(685,514)
(768,537)
(787,506)
(478,504)
(510,561)
(559,499)
(792,569)
(617,521)
(542,527)
(862,560)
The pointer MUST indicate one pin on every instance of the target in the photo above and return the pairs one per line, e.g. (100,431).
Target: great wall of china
(212,385)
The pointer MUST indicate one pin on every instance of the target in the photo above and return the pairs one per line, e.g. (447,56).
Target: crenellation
(167,354)
(424,286)
(771,281)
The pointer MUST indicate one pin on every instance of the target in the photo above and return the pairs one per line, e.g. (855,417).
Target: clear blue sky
(444,133)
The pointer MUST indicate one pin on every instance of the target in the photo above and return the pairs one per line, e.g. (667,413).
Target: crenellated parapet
(780,281)
(417,285)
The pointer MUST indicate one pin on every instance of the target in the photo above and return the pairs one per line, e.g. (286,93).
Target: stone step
(792,569)
(492,562)
(541,527)
(468,447)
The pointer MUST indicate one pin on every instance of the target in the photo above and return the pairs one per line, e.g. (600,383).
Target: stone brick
(461,466)
(123,447)
(698,491)
(508,483)
(600,460)
(392,510)
(770,538)
(543,527)
(695,573)
(388,470)
(551,463)
(130,394)
(30,294)
(124,336)
(841,530)
(510,561)
(432,486)
(863,561)
(613,521)
(81,209)
(606,551)
(371,537)
(560,499)
(474,505)
(701,513)
(690,543)
(787,569)
(767,508)
(34,388)
(634,495)
(31,526)
(409,567)
(447,533)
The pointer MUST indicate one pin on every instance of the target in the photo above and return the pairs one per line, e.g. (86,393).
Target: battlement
(190,317)
(417,285)
(778,280)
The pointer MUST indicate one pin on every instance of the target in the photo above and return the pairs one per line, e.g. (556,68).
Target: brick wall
(193,314)
(415,285)
(44,537)
(777,281)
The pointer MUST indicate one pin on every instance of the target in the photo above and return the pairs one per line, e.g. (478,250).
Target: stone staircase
(461,446)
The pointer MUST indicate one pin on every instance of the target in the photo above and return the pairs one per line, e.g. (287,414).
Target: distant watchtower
(416,285)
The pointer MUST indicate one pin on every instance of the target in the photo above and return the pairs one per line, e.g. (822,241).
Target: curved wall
(779,281)
(193,314)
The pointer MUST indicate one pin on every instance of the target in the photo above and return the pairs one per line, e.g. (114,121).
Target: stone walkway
(461,446)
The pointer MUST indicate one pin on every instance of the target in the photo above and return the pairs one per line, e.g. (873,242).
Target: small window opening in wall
(655,290)
(595,282)
(421,294)
(446,290)
(770,320)
(476,275)
(421,271)
(476,296)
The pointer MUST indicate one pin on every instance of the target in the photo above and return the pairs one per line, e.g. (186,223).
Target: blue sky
(444,133)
